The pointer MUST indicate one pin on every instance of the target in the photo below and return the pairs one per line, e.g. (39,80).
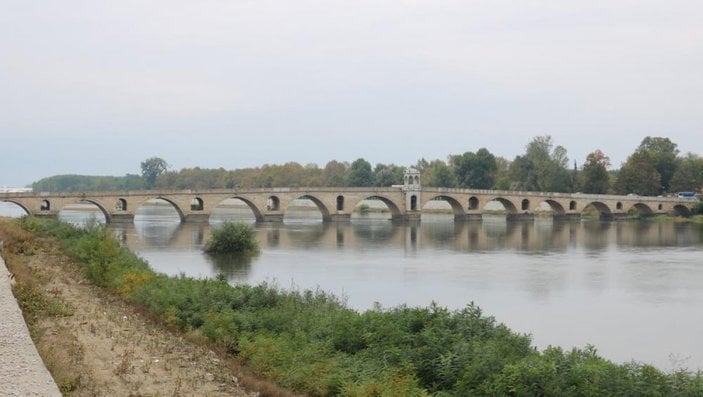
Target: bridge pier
(567,217)
(412,216)
(520,217)
(273,218)
(340,218)
(121,218)
(468,218)
(197,218)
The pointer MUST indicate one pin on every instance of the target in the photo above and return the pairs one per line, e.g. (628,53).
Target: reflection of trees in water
(374,231)
(596,234)
(233,267)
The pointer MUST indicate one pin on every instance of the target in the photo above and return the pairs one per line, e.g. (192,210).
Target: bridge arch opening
(340,203)
(499,206)
(82,212)
(45,205)
(549,207)
(660,206)
(375,208)
(572,205)
(13,209)
(618,206)
(442,208)
(121,204)
(640,210)
(681,210)
(273,203)
(597,210)
(158,210)
(473,203)
(196,204)
(306,209)
(525,205)
(235,209)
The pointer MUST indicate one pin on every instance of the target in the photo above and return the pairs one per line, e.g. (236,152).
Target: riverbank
(95,344)
(309,341)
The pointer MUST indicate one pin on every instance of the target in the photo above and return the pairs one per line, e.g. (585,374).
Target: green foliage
(594,177)
(386,175)
(475,170)
(360,174)
(233,238)
(662,153)
(312,343)
(87,183)
(542,168)
(638,175)
(151,169)
(438,174)
(688,176)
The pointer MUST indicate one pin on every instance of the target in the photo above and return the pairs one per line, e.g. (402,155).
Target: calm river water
(632,289)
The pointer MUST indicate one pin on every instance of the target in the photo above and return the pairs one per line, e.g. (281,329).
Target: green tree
(360,173)
(542,168)
(438,174)
(475,170)
(662,152)
(638,175)
(594,177)
(388,174)
(151,169)
(688,176)
(334,174)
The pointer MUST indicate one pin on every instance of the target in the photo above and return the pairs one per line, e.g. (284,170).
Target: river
(632,289)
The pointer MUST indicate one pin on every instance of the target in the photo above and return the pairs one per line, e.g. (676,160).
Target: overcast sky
(95,87)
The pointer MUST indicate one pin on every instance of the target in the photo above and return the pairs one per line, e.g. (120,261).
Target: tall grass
(311,342)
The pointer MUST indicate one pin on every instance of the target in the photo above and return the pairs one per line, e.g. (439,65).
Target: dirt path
(22,372)
(101,347)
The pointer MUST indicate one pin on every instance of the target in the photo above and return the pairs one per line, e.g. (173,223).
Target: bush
(233,238)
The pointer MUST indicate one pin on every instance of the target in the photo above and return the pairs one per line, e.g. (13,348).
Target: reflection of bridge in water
(491,235)
(404,202)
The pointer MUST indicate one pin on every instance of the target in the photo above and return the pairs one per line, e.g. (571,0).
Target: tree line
(655,167)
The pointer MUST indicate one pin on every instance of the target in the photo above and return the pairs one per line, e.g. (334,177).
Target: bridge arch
(641,208)
(556,207)
(602,208)
(507,204)
(175,206)
(392,206)
(457,208)
(101,207)
(318,203)
(19,204)
(681,210)
(257,212)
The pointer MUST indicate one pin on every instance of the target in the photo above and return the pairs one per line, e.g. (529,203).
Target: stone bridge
(405,202)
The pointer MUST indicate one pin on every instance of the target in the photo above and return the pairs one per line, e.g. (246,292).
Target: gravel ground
(22,372)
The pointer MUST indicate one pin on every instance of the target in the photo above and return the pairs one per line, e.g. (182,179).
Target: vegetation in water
(232,238)
(309,341)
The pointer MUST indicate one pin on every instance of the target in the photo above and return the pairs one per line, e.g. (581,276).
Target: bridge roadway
(405,202)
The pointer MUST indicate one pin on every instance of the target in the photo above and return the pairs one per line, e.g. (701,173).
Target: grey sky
(95,87)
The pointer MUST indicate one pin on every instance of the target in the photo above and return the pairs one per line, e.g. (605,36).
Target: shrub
(233,238)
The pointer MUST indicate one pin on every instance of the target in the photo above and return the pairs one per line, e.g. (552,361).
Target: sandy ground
(104,348)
